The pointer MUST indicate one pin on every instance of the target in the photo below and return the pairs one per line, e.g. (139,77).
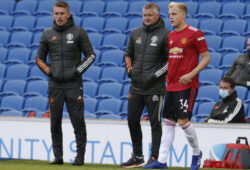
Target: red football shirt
(184,49)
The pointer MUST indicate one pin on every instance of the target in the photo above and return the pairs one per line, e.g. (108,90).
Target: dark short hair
(62,4)
(229,80)
(152,5)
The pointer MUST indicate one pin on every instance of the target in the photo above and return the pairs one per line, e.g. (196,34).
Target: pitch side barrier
(108,140)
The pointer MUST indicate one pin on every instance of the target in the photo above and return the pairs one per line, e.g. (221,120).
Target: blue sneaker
(196,162)
(156,165)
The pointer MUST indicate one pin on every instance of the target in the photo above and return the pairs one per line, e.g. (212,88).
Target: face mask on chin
(223,93)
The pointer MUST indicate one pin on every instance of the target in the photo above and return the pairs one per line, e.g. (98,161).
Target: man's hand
(186,78)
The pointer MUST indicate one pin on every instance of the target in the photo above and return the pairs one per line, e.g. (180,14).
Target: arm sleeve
(200,42)
(129,56)
(88,52)
(41,57)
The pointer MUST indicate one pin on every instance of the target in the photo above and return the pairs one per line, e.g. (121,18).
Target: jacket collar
(230,97)
(65,26)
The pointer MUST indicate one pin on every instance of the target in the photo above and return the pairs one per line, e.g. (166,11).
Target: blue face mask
(223,93)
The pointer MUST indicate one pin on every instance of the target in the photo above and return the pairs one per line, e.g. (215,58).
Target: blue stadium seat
(215,60)
(208,94)
(36,40)
(89,115)
(211,26)
(112,74)
(93,74)
(18,56)
(90,105)
(111,58)
(6,7)
(3,54)
(125,92)
(36,74)
(113,41)
(247,33)
(108,106)
(163,8)
(208,10)
(210,77)
(246,17)
(168,24)
(1,85)
(77,20)
(228,60)
(133,23)
(97,57)
(135,9)
(110,116)
(192,7)
(75,7)
(233,27)
(6,22)
(241,92)
(4,37)
(11,103)
(17,71)
(13,87)
(116,8)
(95,39)
(24,8)
(20,39)
(232,10)
(109,90)
(90,89)
(213,42)
(12,113)
(37,103)
(43,22)
(124,109)
(232,44)
(44,8)
(2,70)
(92,8)
(36,88)
(32,60)
(93,24)
(193,22)
(205,109)
(195,108)
(115,25)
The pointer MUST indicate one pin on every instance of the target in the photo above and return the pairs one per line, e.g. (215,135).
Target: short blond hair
(180,5)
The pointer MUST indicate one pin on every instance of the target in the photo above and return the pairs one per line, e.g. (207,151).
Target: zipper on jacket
(62,54)
(142,63)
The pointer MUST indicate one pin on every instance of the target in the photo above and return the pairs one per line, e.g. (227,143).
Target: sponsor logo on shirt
(175,51)
(154,39)
(201,38)
(69,38)
(138,40)
(184,41)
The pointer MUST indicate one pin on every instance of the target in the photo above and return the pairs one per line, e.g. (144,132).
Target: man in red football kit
(186,44)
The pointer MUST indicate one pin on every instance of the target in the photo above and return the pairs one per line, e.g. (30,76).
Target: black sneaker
(57,162)
(134,161)
(79,160)
(151,160)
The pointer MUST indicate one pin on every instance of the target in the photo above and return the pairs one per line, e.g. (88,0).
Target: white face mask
(223,93)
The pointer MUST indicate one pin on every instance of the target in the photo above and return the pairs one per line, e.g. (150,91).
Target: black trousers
(136,104)
(75,105)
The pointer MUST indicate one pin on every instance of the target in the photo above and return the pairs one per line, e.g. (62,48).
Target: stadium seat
(1,85)
(36,74)
(228,60)
(211,26)
(108,106)
(195,108)
(124,109)
(43,22)
(125,92)
(11,103)
(135,9)
(133,23)
(90,89)
(115,25)
(247,33)
(168,24)
(232,44)
(4,37)
(12,113)
(36,40)
(90,105)
(111,58)
(44,8)
(208,94)
(20,39)
(92,8)
(23,23)
(93,24)
(116,8)
(192,7)
(77,20)
(24,8)
(241,92)
(89,115)
(3,54)
(205,109)
(97,57)
(109,90)
(93,74)
(193,22)
(6,22)
(37,103)
(113,41)
(75,6)
(215,60)
(246,17)
(17,71)
(213,42)
(13,87)
(208,10)
(110,116)
(2,70)
(36,88)
(18,56)
(32,60)
(210,77)
(95,39)
(163,8)
(233,27)
(6,7)
(232,10)
(112,74)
